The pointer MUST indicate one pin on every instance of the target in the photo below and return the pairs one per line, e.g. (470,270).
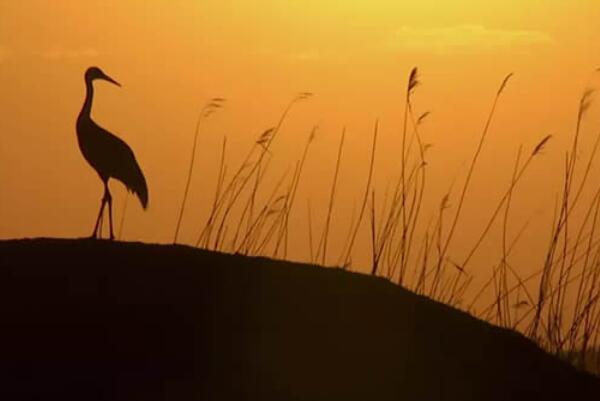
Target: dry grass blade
(313,134)
(208,109)
(467,182)
(291,197)
(458,267)
(540,146)
(506,79)
(325,235)
(521,304)
(444,203)
(506,198)
(265,136)
(347,257)
(586,101)
(423,117)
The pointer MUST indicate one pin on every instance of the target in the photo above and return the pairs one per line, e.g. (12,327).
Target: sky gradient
(172,56)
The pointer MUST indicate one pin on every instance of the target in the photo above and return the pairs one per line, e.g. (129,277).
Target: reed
(557,305)
(209,108)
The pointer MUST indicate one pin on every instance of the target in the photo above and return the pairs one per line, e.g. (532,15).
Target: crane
(109,155)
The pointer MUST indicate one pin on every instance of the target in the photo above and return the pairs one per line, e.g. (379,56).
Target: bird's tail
(139,187)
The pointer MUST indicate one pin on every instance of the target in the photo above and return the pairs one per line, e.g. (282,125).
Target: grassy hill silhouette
(97,320)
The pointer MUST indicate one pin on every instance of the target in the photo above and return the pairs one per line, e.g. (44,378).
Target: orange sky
(171,56)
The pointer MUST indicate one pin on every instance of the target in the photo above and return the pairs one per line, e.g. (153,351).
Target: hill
(95,320)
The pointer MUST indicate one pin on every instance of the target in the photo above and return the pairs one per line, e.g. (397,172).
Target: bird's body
(110,156)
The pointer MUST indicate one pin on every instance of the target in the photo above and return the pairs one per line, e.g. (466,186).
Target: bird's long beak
(109,79)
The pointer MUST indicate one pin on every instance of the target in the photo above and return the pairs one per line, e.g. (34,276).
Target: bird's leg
(99,219)
(101,226)
(108,197)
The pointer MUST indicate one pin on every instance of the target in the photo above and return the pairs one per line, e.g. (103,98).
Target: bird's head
(93,73)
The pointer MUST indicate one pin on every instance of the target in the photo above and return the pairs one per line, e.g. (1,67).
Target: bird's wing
(122,165)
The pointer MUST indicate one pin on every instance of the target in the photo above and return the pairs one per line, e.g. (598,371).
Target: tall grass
(322,250)
(212,234)
(557,305)
(208,109)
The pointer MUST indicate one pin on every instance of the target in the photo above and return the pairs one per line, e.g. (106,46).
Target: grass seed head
(504,82)
(540,146)
(413,80)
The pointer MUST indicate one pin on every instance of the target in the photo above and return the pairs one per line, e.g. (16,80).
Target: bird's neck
(87,104)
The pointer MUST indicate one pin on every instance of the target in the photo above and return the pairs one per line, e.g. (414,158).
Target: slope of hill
(94,320)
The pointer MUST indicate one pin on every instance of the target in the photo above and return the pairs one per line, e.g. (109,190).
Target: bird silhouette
(110,156)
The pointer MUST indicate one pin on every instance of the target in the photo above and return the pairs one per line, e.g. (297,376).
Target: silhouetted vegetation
(557,306)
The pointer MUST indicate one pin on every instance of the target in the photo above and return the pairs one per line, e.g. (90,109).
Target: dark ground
(92,320)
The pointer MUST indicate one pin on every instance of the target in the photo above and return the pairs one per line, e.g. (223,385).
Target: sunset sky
(355,55)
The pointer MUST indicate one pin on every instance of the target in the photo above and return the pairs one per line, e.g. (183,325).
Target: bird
(109,155)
